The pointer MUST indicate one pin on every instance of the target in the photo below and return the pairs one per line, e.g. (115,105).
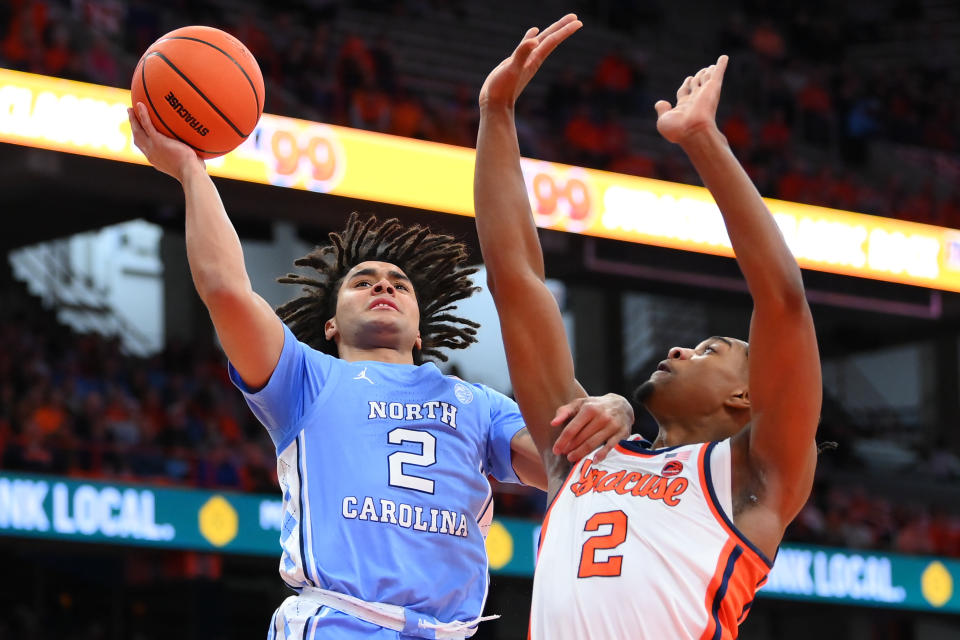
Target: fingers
(685,87)
(607,448)
(701,76)
(144,118)
(591,444)
(559,24)
(139,137)
(662,106)
(573,434)
(526,46)
(134,122)
(566,412)
(544,43)
(550,42)
(721,67)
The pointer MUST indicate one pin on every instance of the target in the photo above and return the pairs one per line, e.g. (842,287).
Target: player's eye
(361,283)
(401,286)
(709,350)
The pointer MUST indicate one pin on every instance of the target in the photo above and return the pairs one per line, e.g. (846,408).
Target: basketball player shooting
(382,460)
(669,539)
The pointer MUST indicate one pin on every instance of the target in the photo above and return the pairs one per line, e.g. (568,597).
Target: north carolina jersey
(642,545)
(383,472)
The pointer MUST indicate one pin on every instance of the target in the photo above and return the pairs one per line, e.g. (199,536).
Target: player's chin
(644,392)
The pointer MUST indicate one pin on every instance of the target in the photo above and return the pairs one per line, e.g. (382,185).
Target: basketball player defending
(669,539)
(382,463)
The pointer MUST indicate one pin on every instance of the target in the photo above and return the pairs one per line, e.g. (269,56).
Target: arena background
(137,493)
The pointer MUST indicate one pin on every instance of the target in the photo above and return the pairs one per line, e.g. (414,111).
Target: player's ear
(739,399)
(330,329)
(418,345)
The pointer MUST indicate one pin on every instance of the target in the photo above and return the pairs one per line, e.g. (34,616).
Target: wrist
(190,170)
(707,138)
(496,108)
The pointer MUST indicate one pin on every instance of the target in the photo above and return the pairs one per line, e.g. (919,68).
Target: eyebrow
(721,339)
(370,271)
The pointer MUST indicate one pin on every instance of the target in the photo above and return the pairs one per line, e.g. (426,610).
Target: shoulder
(291,341)
(491,396)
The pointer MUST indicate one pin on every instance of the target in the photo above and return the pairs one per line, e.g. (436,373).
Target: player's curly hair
(432,261)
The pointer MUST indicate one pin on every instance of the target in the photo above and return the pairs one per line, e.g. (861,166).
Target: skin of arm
(784,364)
(587,423)
(539,360)
(248,328)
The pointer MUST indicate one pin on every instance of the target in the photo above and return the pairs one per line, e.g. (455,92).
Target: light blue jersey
(383,472)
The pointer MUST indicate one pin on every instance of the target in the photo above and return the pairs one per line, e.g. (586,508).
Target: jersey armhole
(723,513)
(721,477)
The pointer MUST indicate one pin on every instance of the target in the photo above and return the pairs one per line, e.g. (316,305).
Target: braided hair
(432,261)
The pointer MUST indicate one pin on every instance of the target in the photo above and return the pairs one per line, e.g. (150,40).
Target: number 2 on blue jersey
(427,457)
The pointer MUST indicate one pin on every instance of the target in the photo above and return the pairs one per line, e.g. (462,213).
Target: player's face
(697,381)
(376,307)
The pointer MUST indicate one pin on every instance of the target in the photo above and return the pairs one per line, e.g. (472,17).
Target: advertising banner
(80,118)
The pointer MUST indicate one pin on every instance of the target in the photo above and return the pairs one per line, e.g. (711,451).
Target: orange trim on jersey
(543,532)
(749,547)
(716,582)
(730,592)
(546,517)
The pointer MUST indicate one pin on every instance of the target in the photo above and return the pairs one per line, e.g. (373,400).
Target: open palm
(696,108)
(505,83)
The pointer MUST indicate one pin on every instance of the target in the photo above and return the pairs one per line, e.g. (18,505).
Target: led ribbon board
(85,119)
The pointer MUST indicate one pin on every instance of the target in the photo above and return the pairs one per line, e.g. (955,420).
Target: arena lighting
(74,117)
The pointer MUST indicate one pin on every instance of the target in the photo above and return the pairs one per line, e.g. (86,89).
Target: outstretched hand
(166,154)
(505,83)
(696,108)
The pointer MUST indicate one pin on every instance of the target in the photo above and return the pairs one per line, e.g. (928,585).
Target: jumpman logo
(363,376)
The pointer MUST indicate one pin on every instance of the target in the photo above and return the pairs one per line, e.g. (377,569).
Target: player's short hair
(432,261)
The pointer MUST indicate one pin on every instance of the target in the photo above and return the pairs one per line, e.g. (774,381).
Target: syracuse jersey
(642,545)
(383,472)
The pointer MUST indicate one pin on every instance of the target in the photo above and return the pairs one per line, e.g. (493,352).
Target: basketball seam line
(200,93)
(256,96)
(146,92)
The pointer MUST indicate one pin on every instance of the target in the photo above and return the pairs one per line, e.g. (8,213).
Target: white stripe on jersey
(311,566)
(288,474)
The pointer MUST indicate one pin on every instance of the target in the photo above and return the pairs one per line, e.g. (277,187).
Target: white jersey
(642,545)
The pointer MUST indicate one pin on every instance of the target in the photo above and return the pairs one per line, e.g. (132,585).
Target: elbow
(213,282)
(491,282)
(786,297)
(219,294)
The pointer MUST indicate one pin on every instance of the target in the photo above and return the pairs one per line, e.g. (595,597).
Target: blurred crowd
(74,405)
(855,518)
(803,116)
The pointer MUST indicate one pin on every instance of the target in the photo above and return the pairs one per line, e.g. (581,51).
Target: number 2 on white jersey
(589,566)
(426,458)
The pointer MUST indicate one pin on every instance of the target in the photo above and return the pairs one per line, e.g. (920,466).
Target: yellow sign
(218,521)
(499,546)
(936,583)
(91,120)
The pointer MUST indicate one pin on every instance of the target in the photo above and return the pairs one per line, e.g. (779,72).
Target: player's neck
(679,432)
(375,354)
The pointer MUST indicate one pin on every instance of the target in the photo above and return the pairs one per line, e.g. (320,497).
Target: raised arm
(248,328)
(540,363)
(784,363)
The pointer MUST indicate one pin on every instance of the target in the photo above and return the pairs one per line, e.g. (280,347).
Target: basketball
(201,86)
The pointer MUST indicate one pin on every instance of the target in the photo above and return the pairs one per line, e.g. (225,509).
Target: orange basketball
(202,87)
